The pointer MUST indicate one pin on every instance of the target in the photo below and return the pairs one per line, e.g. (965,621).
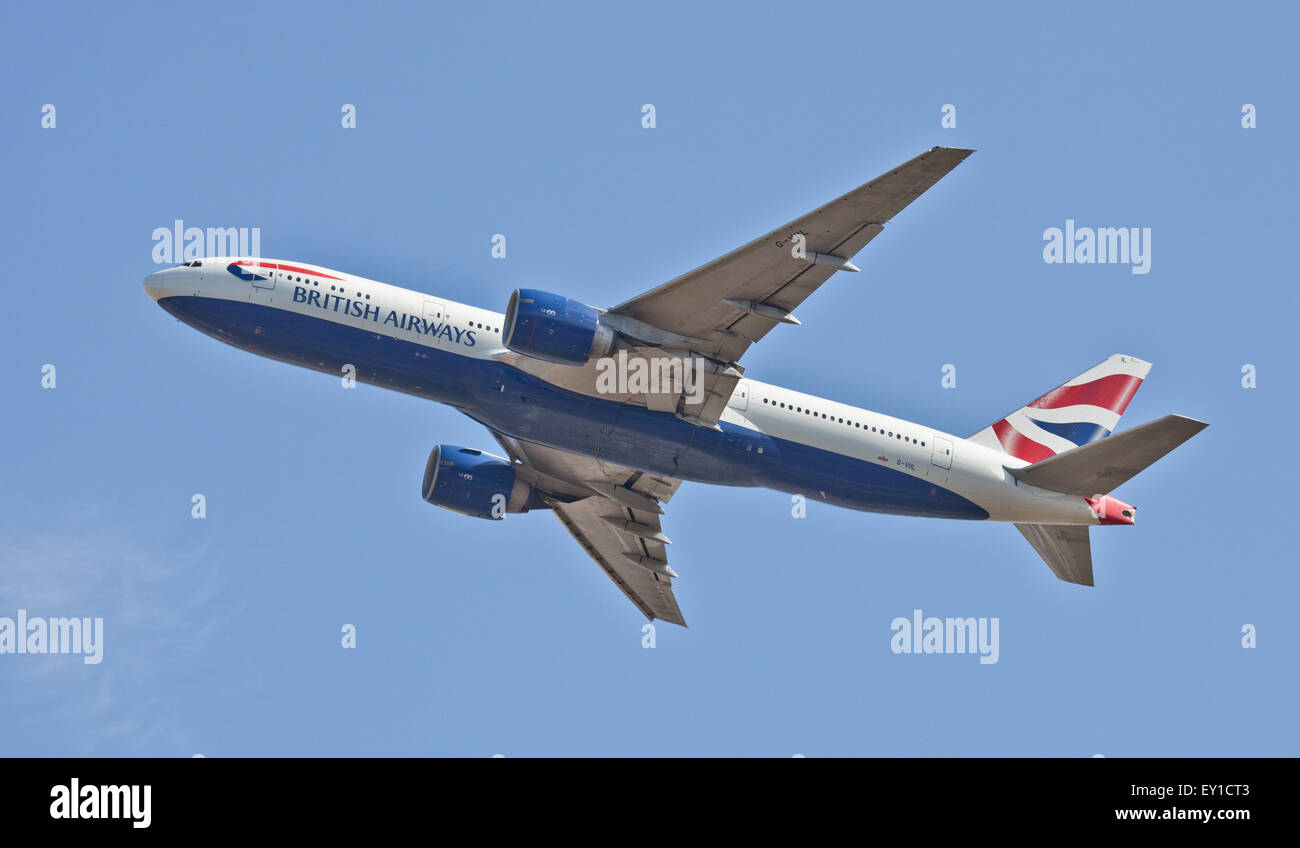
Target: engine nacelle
(473,483)
(554,328)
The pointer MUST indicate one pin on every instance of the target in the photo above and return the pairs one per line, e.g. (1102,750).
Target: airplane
(606,451)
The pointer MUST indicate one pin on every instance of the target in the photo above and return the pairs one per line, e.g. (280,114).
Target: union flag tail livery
(1060,435)
(1071,415)
(606,455)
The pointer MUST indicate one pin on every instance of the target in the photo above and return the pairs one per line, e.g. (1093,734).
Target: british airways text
(401,320)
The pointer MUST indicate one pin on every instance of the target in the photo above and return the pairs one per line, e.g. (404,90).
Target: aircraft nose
(153,285)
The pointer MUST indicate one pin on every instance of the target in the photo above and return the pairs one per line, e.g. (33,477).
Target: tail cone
(1112,510)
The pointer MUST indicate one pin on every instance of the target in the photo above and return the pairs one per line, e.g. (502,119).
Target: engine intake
(553,328)
(473,483)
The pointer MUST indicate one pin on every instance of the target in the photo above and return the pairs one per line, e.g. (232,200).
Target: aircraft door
(263,275)
(435,312)
(942,456)
(740,397)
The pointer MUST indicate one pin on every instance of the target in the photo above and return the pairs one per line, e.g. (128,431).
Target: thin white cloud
(161,607)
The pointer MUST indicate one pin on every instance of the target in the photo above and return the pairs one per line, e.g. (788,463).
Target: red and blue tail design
(1083,410)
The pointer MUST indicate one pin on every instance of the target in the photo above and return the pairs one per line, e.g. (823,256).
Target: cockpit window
(197,263)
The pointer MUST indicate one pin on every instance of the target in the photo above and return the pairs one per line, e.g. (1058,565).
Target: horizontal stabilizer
(1064,547)
(1099,467)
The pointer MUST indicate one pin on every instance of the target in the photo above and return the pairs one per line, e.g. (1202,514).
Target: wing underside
(594,522)
(613,513)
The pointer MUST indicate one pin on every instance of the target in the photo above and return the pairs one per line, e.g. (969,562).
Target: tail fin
(1076,413)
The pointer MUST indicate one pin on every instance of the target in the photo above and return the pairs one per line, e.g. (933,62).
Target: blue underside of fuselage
(515,403)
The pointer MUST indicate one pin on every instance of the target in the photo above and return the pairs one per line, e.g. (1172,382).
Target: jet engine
(474,483)
(554,328)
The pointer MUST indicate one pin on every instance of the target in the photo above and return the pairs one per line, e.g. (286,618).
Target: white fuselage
(447,351)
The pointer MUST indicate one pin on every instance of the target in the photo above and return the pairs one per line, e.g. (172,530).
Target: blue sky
(222,635)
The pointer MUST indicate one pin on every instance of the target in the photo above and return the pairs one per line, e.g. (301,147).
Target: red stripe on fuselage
(292,268)
(1018,445)
(1112,392)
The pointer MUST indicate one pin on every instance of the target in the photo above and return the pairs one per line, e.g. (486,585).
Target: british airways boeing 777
(602,413)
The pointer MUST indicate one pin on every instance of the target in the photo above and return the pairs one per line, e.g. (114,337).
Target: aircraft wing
(708,318)
(613,512)
(732,302)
